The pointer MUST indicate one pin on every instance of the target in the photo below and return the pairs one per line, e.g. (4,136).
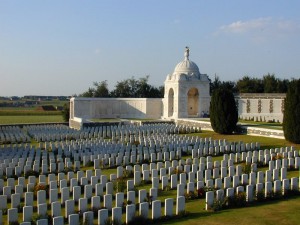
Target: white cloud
(246,26)
(261,28)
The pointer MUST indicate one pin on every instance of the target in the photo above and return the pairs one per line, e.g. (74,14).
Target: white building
(186,91)
(186,96)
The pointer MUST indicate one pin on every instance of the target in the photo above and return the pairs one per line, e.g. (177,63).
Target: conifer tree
(291,116)
(223,111)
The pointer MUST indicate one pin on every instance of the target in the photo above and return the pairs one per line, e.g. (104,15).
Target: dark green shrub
(31,173)
(128,174)
(66,112)
(260,196)
(246,168)
(39,187)
(223,111)
(120,185)
(14,223)
(201,193)
(219,205)
(291,116)
(138,220)
(238,200)
(190,196)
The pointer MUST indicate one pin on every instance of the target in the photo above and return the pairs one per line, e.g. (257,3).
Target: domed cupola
(186,90)
(187,66)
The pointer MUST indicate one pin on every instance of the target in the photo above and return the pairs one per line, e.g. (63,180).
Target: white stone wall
(96,108)
(261,107)
(257,107)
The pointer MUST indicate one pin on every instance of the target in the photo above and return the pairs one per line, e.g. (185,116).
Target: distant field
(31,119)
(20,112)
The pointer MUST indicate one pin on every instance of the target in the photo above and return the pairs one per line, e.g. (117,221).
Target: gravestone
(144,209)
(117,215)
(130,212)
(102,216)
(27,213)
(209,200)
(169,207)
(55,209)
(107,199)
(180,205)
(156,209)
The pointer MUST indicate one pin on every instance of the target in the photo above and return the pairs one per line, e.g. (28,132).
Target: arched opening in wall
(171,102)
(193,102)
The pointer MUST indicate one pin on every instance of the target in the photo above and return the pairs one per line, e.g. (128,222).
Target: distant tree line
(140,88)
(129,88)
(268,84)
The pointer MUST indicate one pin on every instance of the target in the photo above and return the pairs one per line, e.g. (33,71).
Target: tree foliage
(250,85)
(223,111)
(66,112)
(100,90)
(268,84)
(291,117)
(217,83)
(128,88)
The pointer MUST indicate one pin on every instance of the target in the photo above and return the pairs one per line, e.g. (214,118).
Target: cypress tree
(223,111)
(291,116)
(66,112)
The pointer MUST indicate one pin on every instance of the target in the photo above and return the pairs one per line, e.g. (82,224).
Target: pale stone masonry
(187,95)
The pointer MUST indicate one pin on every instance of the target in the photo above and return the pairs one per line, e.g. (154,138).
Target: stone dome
(187,67)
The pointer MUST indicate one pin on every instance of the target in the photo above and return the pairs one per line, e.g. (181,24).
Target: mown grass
(275,126)
(31,119)
(265,142)
(271,212)
(27,112)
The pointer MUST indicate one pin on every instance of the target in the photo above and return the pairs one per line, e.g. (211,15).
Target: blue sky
(61,47)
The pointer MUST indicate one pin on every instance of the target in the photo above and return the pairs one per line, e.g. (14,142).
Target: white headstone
(156,209)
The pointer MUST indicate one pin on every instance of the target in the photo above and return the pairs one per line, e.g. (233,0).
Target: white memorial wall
(187,95)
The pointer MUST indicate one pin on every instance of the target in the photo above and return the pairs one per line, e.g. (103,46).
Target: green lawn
(271,212)
(275,126)
(31,119)
(265,142)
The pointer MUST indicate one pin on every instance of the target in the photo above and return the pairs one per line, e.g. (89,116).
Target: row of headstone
(61,132)
(12,134)
(277,187)
(103,214)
